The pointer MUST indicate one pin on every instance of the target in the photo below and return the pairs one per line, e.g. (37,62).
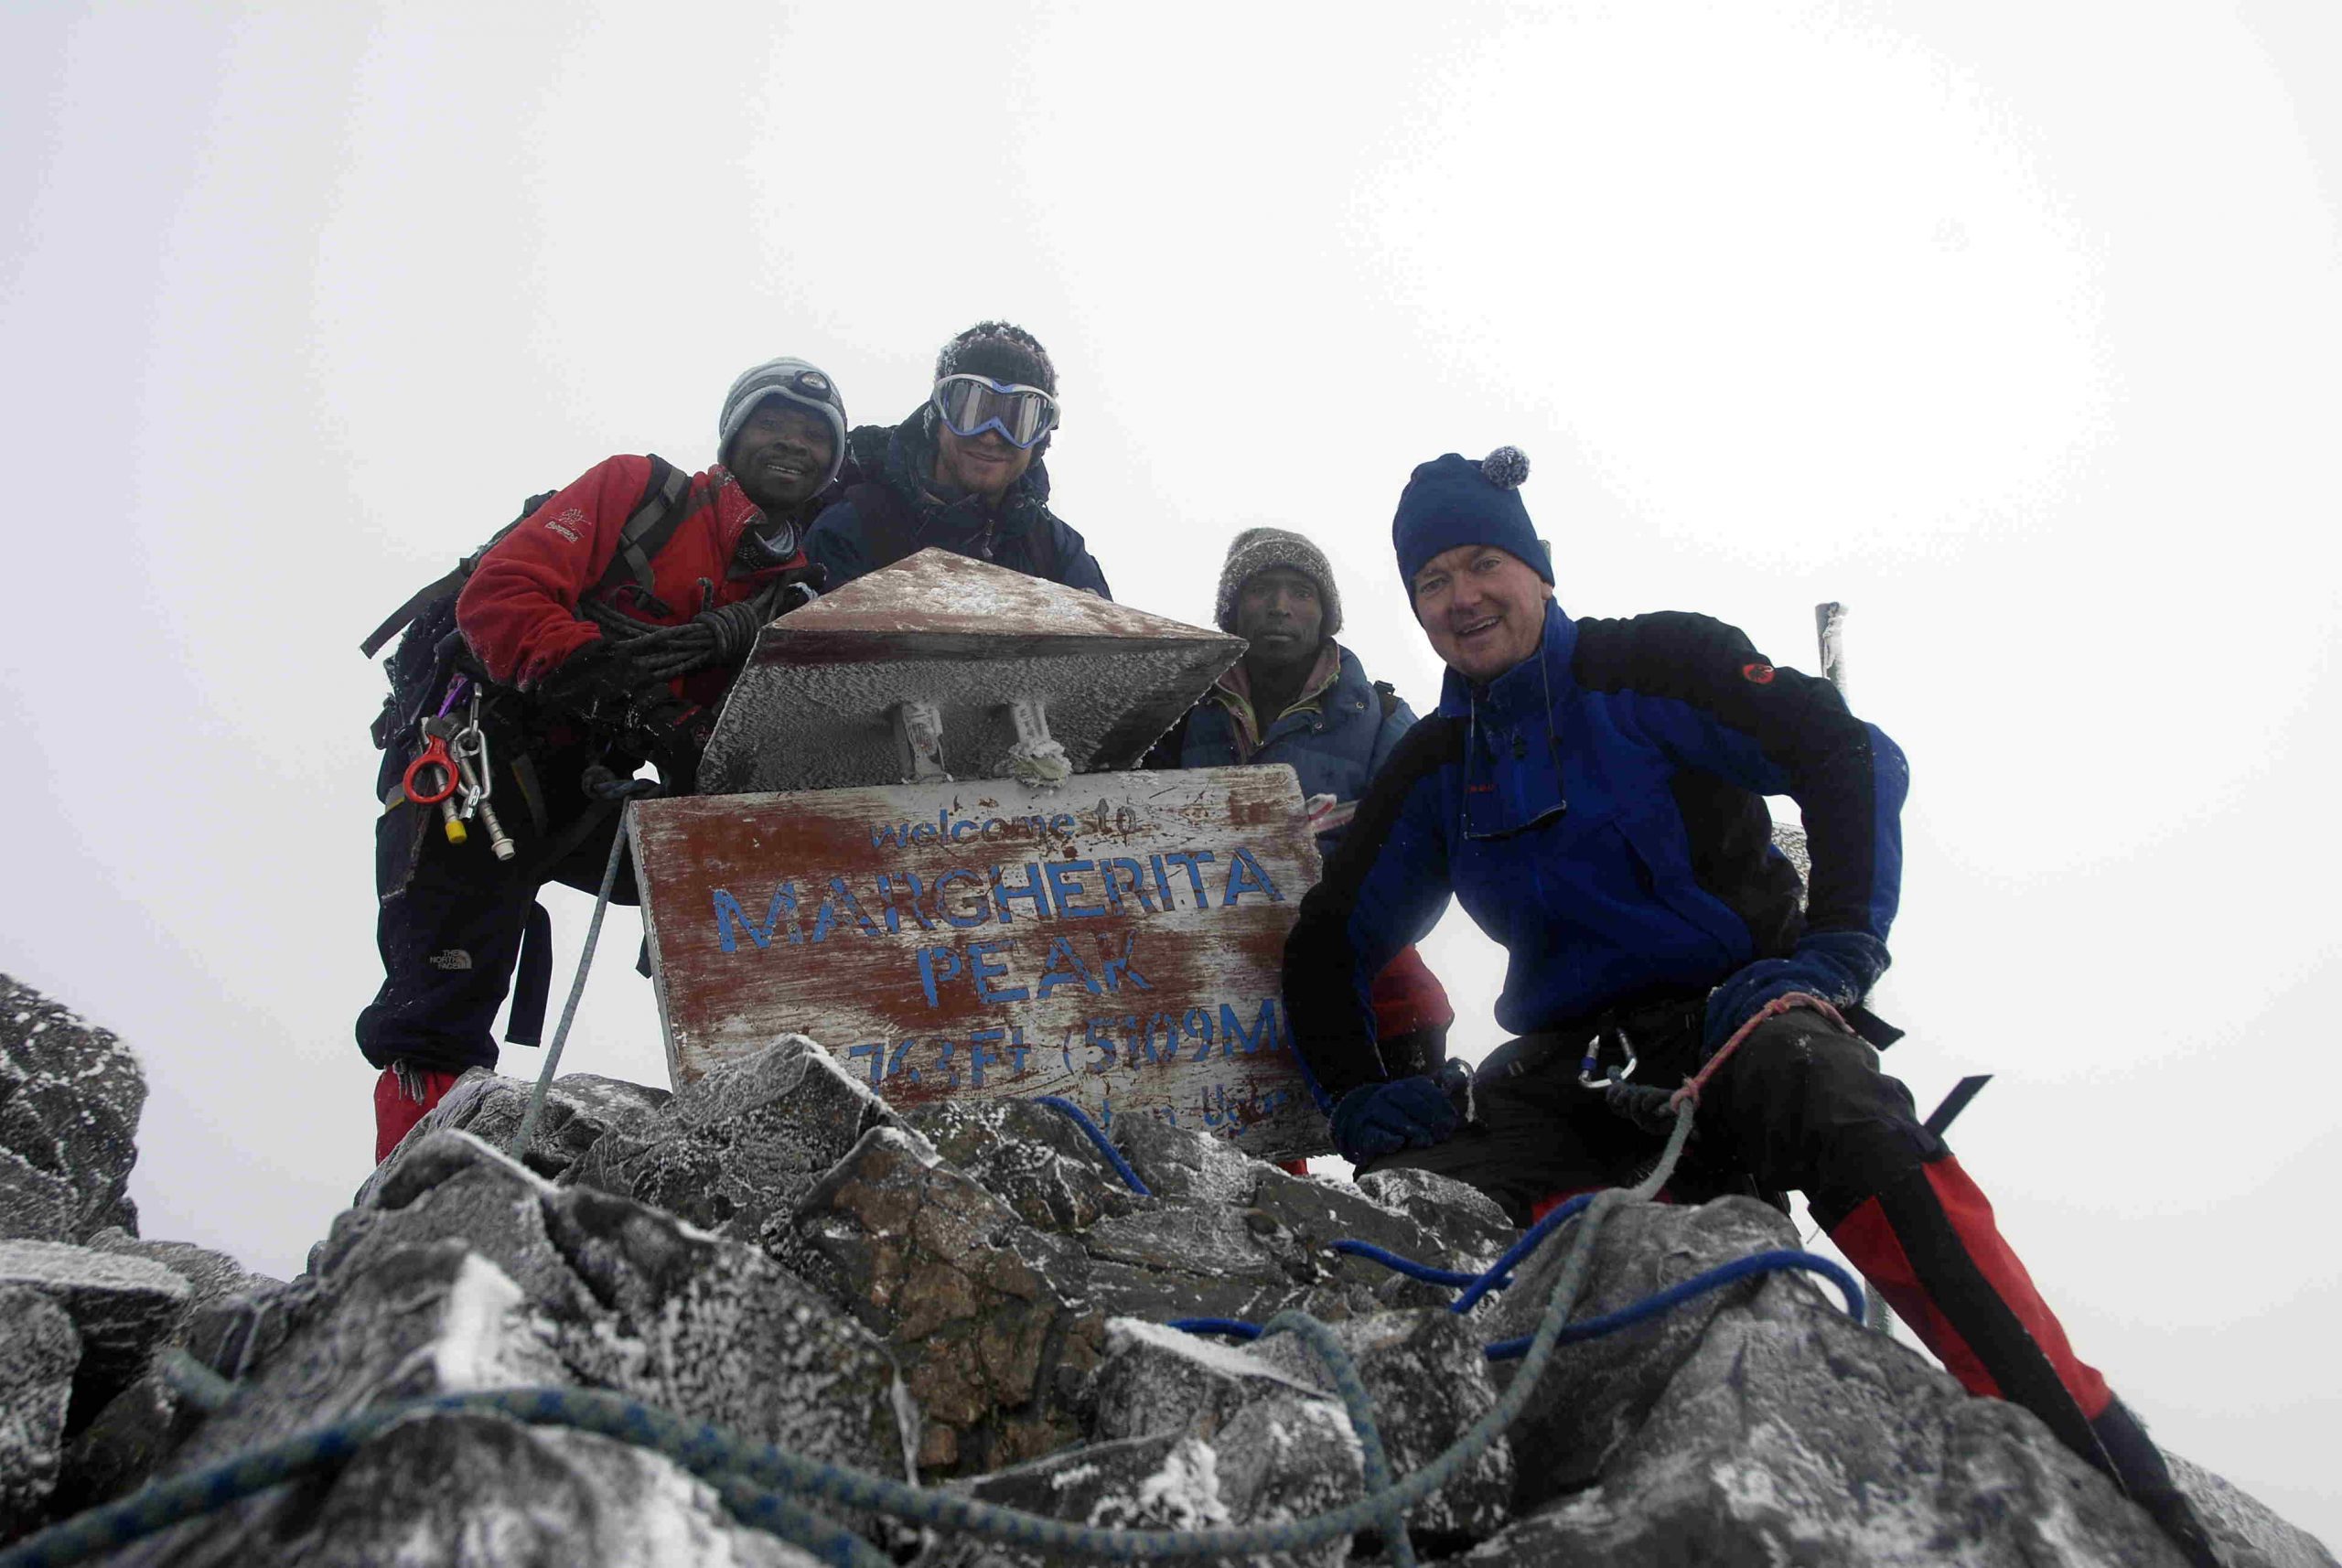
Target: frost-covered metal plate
(812,708)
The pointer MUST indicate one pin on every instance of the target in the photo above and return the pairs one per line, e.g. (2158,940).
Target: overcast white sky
(2015,327)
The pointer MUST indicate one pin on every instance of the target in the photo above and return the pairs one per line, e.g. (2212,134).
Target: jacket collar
(1512,770)
(1233,691)
(911,470)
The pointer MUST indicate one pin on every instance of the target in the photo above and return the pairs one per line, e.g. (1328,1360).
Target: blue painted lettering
(1060,871)
(1036,889)
(928,979)
(730,916)
(1064,967)
(984,971)
(1245,876)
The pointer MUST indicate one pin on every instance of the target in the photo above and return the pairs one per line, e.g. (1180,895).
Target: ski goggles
(971,405)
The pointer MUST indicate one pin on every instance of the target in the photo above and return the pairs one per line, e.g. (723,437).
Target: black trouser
(454,921)
(1801,1106)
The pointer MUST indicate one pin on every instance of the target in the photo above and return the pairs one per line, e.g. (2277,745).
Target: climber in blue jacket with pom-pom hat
(1592,792)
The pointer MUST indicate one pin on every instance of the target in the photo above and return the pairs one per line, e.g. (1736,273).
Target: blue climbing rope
(1235,1326)
(1674,1295)
(1097,1136)
(1531,1240)
(1408,1266)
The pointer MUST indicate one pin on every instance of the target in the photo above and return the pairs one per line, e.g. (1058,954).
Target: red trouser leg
(396,1111)
(1928,1242)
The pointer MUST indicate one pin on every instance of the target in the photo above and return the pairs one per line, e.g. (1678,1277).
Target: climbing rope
(614,790)
(1098,1136)
(750,1470)
(721,635)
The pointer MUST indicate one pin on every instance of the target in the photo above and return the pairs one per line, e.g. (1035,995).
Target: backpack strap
(1389,696)
(648,528)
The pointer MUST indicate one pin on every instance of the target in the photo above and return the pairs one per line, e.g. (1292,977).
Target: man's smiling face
(1483,608)
(781,455)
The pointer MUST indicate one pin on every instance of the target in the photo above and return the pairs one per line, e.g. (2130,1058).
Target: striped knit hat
(1256,550)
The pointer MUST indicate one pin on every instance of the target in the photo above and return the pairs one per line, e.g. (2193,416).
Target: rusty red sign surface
(1118,941)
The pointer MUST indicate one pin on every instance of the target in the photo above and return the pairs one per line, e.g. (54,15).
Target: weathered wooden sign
(1118,941)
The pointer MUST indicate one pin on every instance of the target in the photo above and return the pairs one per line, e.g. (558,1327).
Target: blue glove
(1378,1119)
(1838,967)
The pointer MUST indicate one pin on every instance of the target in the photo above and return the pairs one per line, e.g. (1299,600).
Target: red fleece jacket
(518,611)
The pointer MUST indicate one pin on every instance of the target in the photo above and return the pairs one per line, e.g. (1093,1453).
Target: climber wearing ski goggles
(971,405)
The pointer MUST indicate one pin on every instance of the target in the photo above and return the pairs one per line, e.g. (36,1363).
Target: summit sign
(1118,941)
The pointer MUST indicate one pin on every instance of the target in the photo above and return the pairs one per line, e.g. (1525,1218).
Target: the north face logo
(452,958)
(1760,672)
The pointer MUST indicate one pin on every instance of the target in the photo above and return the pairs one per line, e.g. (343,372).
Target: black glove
(597,686)
(1383,1118)
(672,733)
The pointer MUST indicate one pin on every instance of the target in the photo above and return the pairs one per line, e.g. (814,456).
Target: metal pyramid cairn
(940,665)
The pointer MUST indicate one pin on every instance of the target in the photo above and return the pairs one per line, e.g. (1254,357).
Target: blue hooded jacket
(1334,748)
(1597,810)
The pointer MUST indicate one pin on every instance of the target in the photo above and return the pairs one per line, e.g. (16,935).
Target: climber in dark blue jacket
(1591,792)
(1300,698)
(963,473)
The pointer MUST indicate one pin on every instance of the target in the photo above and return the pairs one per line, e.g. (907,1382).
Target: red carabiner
(433,755)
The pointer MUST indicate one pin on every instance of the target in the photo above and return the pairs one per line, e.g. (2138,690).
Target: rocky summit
(967,1298)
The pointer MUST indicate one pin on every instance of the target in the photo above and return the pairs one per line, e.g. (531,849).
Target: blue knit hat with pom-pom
(1453,501)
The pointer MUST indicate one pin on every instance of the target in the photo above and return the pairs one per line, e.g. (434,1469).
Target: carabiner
(433,755)
(1592,1062)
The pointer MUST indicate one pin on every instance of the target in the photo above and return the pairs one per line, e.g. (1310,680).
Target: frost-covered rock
(1032,1157)
(1429,1381)
(634,1300)
(1167,1482)
(985,1313)
(69,1098)
(733,1152)
(121,1307)
(424,1320)
(2249,1532)
(1601,1391)
(39,1353)
(123,1441)
(580,1111)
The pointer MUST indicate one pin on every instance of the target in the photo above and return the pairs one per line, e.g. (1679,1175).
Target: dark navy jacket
(893,515)
(1598,812)
(1335,749)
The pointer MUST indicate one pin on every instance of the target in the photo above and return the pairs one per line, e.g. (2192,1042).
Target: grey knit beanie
(1256,550)
(794,382)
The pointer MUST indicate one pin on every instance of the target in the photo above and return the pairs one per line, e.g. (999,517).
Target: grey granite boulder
(121,1308)
(475,1489)
(633,1300)
(1429,1381)
(2247,1533)
(733,1152)
(122,1444)
(39,1353)
(69,1098)
(580,1111)
(1599,1392)
(1171,1481)
(1034,1158)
